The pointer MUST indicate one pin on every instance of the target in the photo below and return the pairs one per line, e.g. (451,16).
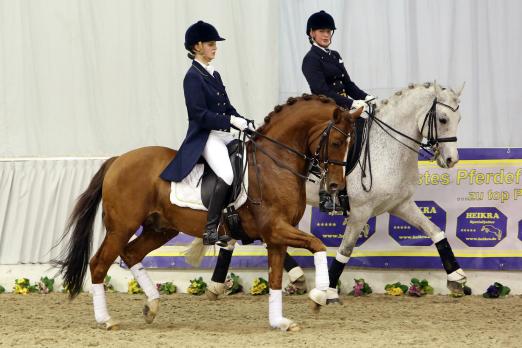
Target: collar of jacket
(206,75)
(322,54)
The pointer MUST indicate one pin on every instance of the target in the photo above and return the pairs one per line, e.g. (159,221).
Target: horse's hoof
(211,296)
(456,288)
(300,285)
(332,297)
(467,290)
(112,325)
(150,310)
(297,287)
(294,327)
(318,296)
(334,301)
(214,290)
(288,325)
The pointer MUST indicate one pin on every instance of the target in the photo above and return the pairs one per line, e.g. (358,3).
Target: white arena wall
(83,81)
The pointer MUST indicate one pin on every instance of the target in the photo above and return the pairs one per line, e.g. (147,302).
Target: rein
(431,144)
(319,157)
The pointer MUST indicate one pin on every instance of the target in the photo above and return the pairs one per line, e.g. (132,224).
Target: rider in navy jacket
(208,108)
(326,74)
(323,68)
(210,117)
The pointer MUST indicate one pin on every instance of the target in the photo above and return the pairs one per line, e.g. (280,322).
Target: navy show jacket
(208,109)
(326,74)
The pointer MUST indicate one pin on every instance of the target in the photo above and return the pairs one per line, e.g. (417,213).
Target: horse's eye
(336,144)
(443,120)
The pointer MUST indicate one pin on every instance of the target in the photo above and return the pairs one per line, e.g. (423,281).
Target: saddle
(209,178)
(208,181)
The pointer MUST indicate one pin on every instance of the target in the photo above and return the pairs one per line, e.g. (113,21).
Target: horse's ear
(438,90)
(337,115)
(459,90)
(356,114)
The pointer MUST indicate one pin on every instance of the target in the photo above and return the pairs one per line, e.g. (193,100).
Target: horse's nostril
(333,187)
(449,160)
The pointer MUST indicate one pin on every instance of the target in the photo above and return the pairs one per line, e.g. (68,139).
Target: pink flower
(357,289)
(415,291)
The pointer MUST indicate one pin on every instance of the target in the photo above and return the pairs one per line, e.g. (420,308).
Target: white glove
(238,122)
(360,104)
(370,97)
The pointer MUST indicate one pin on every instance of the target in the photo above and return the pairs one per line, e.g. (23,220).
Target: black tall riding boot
(215,209)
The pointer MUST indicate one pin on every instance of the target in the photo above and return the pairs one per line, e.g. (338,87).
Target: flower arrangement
(259,287)
(2,289)
(496,290)
(107,284)
(232,284)
(396,289)
(134,287)
(419,288)
(197,286)
(361,288)
(166,288)
(45,285)
(23,286)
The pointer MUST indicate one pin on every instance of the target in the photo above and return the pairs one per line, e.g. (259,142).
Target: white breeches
(216,155)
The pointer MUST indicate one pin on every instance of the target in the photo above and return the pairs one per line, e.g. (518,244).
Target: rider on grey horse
(326,74)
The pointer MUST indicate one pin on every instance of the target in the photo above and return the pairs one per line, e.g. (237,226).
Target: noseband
(430,120)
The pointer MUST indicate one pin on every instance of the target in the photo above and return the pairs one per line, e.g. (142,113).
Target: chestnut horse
(307,129)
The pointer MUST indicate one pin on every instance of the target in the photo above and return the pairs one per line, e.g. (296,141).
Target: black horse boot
(344,202)
(218,201)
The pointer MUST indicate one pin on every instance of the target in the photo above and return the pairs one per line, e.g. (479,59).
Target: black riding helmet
(200,31)
(319,20)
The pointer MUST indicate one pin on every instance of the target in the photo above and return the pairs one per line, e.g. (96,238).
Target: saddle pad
(187,193)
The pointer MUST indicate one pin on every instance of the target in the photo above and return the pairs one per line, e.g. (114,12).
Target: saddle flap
(209,178)
(355,151)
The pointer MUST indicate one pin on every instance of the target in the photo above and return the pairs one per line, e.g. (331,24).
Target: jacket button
(342,75)
(217,93)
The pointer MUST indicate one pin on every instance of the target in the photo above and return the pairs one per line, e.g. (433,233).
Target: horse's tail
(195,252)
(73,260)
